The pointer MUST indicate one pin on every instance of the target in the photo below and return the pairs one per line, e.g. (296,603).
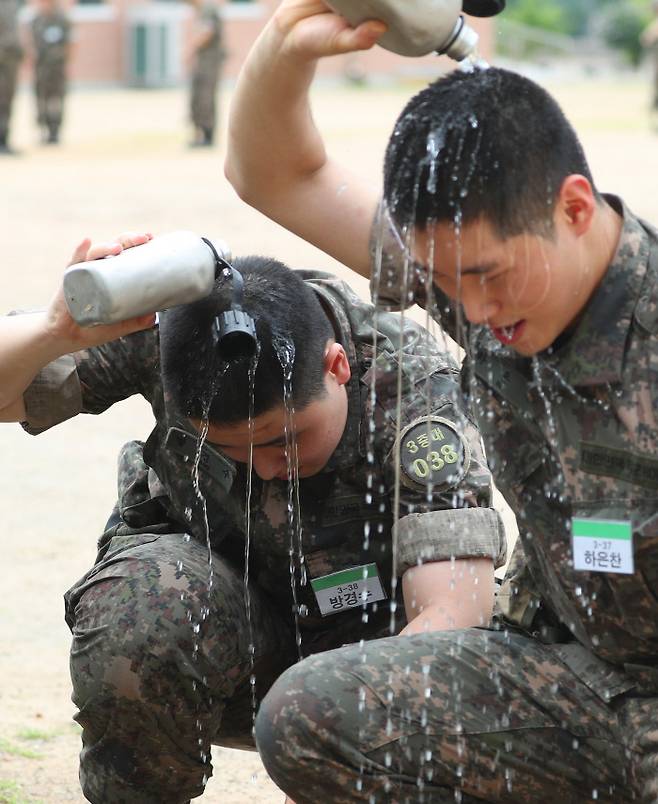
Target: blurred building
(141,43)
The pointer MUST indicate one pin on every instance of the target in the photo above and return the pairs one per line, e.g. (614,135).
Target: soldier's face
(527,289)
(318,429)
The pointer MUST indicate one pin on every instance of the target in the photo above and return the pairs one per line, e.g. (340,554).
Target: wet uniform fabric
(206,71)
(11,53)
(51,35)
(160,665)
(561,703)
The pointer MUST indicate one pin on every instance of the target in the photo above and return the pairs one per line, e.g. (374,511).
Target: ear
(336,363)
(576,205)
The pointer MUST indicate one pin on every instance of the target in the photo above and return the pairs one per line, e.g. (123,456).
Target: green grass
(36,735)
(7,747)
(10,793)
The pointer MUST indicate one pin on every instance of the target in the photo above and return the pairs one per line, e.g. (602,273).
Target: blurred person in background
(11,54)
(51,44)
(205,58)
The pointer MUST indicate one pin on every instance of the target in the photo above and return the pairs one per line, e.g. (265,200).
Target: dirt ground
(123,165)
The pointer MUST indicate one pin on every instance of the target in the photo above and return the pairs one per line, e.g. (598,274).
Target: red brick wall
(102,34)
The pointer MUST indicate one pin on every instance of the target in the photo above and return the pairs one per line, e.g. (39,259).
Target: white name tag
(348,589)
(602,545)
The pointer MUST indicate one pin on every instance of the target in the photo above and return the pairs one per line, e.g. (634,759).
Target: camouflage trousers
(161,667)
(472,715)
(203,98)
(50,89)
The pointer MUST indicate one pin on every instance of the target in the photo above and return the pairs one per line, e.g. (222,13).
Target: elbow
(234,176)
(241,181)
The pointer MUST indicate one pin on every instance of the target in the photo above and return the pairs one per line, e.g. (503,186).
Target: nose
(269,464)
(477,307)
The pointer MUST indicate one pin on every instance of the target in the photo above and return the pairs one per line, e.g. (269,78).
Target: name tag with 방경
(602,545)
(348,589)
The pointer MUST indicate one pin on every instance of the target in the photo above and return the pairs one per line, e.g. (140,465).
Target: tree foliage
(618,22)
(622,26)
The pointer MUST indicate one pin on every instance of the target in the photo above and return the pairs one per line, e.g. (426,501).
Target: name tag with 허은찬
(602,545)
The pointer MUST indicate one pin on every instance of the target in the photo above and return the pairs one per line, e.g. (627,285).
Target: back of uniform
(51,37)
(205,77)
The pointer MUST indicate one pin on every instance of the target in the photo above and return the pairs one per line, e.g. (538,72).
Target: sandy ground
(123,165)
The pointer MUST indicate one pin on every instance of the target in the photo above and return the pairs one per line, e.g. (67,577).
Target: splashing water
(247,541)
(473,62)
(285,351)
(204,611)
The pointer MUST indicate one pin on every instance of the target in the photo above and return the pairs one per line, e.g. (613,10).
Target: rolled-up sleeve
(92,380)
(53,396)
(451,533)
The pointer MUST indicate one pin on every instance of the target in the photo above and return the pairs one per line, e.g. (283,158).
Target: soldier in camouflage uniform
(552,289)
(163,647)
(11,53)
(207,55)
(51,42)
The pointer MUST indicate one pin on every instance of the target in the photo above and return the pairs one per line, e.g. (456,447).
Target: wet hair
(286,311)
(486,143)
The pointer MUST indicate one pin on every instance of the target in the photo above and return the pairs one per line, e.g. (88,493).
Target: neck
(603,241)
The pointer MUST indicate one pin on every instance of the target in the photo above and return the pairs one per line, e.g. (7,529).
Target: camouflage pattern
(573,433)
(11,53)
(51,36)
(206,71)
(135,613)
(491,729)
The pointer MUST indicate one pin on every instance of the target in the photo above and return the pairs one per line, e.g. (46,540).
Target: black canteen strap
(234,331)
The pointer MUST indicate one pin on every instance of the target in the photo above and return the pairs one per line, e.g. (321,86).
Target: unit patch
(433,453)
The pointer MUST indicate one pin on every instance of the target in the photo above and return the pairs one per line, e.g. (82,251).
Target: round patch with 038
(433,453)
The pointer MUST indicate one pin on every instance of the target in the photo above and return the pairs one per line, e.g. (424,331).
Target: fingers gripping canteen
(175,268)
(419,27)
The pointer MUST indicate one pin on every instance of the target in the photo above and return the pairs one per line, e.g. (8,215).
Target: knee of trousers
(278,728)
(142,630)
(298,729)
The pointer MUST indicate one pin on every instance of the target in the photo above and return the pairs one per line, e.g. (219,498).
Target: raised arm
(276,157)
(29,342)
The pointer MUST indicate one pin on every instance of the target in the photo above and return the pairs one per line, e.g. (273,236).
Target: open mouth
(510,334)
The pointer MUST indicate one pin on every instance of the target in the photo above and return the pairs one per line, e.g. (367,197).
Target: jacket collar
(594,354)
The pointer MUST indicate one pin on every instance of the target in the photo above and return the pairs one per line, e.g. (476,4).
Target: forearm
(31,341)
(272,135)
(449,594)
(26,346)
(276,157)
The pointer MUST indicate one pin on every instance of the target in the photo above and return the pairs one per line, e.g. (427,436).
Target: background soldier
(164,652)
(11,54)
(51,41)
(206,57)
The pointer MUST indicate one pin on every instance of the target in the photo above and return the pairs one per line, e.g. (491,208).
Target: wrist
(49,340)
(281,43)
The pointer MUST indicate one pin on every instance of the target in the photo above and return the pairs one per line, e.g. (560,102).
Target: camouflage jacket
(346,511)
(51,35)
(570,436)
